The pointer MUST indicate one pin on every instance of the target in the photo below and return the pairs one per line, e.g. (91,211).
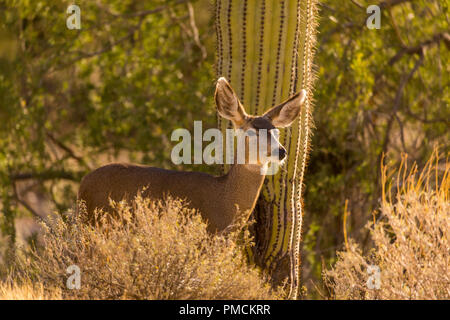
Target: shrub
(161,251)
(411,240)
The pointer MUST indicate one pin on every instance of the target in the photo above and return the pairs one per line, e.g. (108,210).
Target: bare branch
(392,3)
(152,11)
(24,203)
(68,150)
(48,175)
(421,46)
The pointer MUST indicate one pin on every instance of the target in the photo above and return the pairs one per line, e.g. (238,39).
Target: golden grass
(410,237)
(160,251)
(27,291)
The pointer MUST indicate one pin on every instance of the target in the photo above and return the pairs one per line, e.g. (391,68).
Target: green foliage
(72,99)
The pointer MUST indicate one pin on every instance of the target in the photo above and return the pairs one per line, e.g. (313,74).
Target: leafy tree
(115,89)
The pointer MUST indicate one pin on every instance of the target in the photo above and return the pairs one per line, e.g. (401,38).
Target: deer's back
(119,181)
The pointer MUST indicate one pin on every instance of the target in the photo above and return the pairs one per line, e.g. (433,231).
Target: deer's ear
(228,104)
(285,113)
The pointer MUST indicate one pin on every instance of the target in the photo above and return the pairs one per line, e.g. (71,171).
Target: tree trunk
(265,49)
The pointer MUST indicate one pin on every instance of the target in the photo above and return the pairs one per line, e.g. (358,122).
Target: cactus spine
(265,49)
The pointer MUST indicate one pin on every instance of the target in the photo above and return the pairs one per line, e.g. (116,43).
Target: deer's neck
(242,185)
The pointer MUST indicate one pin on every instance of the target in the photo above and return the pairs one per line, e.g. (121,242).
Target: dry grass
(27,291)
(410,236)
(161,251)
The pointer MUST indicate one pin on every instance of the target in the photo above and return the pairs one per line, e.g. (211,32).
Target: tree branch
(48,175)
(397,104)
(24,203)
(444,36)
(391,3)
(152,11)
(69,151)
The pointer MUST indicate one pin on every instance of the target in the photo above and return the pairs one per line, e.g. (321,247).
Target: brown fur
(218,206)
(219,199)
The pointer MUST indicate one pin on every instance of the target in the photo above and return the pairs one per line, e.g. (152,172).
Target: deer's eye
(251,133)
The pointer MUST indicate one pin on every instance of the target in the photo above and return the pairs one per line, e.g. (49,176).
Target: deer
(218,199)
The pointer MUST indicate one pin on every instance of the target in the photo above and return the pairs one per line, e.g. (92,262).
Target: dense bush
(411,243)
(156,250)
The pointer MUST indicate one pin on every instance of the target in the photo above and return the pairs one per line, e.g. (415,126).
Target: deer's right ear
(284,114)
(228,104)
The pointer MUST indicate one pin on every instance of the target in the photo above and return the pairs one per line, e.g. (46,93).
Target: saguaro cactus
(265,49)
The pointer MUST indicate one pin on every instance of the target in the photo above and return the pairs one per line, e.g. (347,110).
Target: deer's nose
(282,153)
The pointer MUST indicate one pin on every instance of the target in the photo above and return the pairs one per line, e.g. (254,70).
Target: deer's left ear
(285,113)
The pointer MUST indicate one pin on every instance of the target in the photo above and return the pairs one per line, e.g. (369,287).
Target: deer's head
(262,128)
